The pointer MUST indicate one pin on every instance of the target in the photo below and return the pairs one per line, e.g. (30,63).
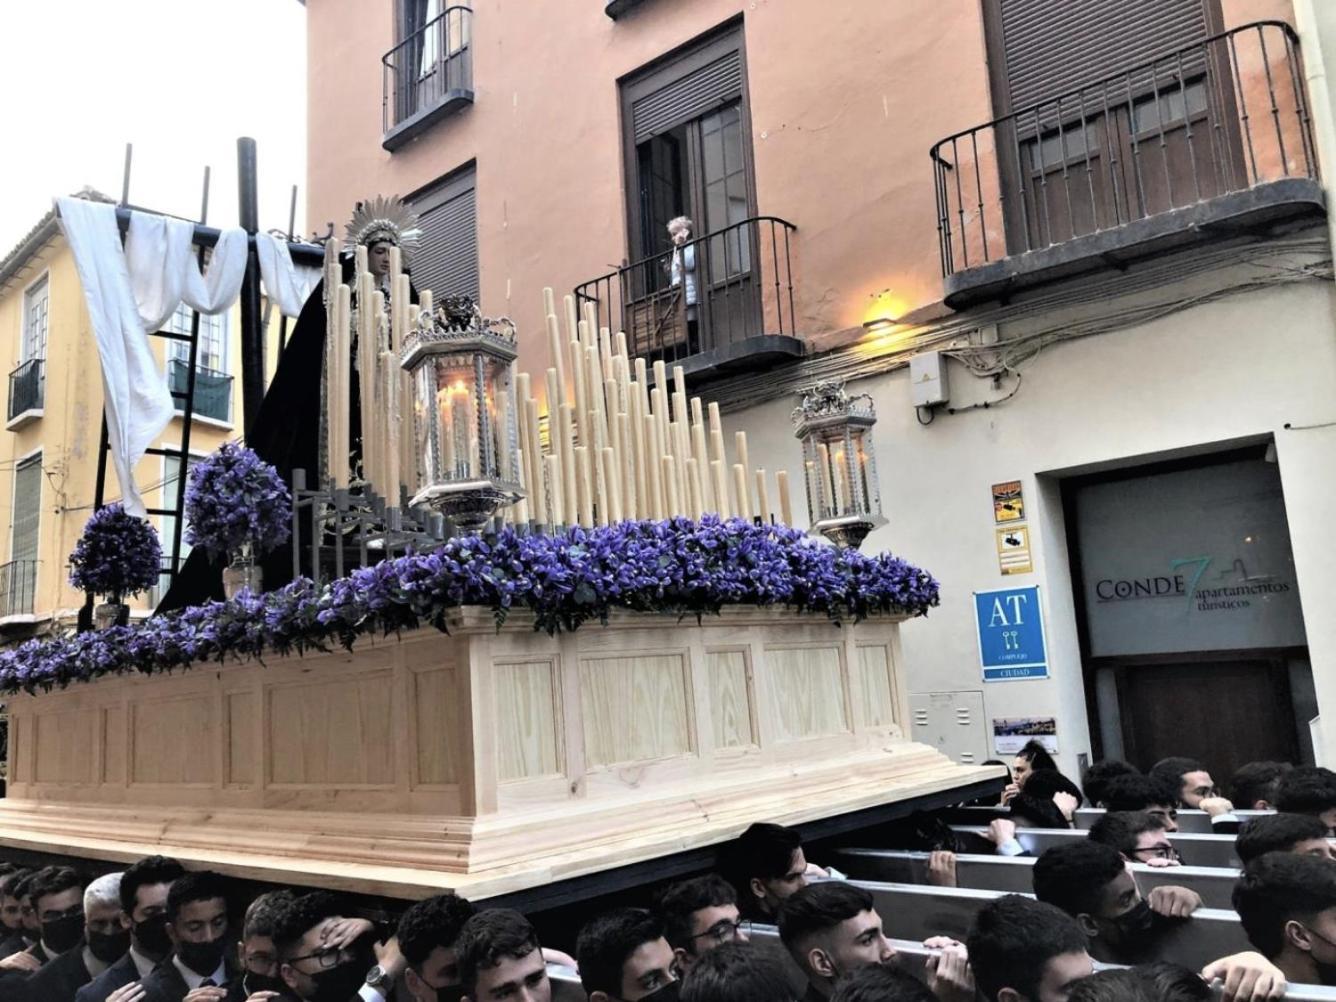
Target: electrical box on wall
(951,722)
(927,379)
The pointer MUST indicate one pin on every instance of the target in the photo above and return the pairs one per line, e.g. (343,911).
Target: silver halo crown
(386,219)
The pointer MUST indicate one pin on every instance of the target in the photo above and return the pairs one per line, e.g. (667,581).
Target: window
(35,305)
(27,509)
(447,260)
(688,149)
(171,490)
(212,339)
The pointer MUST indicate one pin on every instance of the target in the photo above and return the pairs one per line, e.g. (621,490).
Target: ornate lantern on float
(467,440)
(839,465)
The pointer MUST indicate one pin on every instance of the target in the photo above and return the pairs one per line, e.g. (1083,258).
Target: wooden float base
(487,761)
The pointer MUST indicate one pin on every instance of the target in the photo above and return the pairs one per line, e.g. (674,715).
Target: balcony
(27,393)
(18,582)
(213,390)
(427,76)
(1211,141)
(730,309)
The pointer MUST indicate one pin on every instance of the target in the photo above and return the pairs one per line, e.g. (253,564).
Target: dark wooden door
(1223,712)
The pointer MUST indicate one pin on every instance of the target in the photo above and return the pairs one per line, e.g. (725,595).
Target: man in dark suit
(103,943)
(143,896)
(197,926)
(20,930)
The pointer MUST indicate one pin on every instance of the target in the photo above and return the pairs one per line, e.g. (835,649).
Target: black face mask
(450,993)
(108,948)
(151,937)
(253,983)
(1326,972)
(64,933)
(669,992)
(340,984)
(1136,928)
(202,958)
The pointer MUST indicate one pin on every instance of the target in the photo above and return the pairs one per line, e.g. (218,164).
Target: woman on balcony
(682,274)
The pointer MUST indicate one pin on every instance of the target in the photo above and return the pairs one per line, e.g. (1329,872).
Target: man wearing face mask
(99,940)
(1287,904)
(1092,883)
(143,901)
(197,928)
(624,957)
(326,957)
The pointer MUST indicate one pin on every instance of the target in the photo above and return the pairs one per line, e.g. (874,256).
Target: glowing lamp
(839,464)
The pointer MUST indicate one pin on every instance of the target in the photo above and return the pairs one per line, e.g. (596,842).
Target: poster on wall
(1013,550)
(1010,624)
(1008,502)
(1011,734)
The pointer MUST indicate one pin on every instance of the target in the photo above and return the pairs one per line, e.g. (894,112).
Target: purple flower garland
(677,567)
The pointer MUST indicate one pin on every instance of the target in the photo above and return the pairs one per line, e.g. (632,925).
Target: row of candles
(619,448)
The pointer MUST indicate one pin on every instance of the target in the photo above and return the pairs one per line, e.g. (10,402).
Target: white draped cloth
(288,285)
(138,403)
(164,270)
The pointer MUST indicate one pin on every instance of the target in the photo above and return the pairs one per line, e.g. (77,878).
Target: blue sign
(1011,634)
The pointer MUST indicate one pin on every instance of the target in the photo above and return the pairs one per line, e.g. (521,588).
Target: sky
(180,79)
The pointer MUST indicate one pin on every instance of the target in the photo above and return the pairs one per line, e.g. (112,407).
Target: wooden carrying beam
(482,760)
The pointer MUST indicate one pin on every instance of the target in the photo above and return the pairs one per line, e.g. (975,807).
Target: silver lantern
(839,464)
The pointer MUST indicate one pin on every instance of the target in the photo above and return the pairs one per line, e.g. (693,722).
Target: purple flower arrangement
(676,567)
(234,498)
(117,555)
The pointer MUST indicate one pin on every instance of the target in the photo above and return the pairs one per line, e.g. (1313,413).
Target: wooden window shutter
(688,97)
(1054,46)
(447,261)
(27,509)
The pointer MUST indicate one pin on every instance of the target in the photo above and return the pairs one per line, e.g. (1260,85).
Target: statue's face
(378,258)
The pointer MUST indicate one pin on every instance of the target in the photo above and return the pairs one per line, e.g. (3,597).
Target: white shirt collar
(92,964)
(194,980)
(142,963)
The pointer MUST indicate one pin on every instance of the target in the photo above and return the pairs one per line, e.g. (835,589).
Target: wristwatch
(379,979)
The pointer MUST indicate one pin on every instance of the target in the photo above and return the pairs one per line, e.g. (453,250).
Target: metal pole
(125,177)
(252,331)
(283,320)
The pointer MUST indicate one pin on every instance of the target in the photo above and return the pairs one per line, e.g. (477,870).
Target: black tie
(208,983)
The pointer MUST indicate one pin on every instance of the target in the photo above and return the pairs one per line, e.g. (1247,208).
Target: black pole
(252,329)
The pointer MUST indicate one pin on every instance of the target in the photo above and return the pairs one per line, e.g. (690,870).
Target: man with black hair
(736,972)
(1091,882)
(1253,786)
(1139,837)
(143,898)
(766,864)
(1024,950)
(876,983)
(1119,985)
(623,957)
(428,933)
(1301,833)
(94,945)
(1142,793)
(500,959)
(31,956)
(1309,790)
(699,915)
(20,930)
(325,956)
(830,929)
(1095,779)
(197,928)
(56,893)
(1196,790)
(1287,904)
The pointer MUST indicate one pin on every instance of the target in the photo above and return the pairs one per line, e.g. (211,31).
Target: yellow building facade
(53,413)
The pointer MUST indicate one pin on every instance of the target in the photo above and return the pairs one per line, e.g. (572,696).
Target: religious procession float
(449,625)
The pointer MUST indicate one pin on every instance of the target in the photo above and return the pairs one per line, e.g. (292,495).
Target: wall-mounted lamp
(880,324)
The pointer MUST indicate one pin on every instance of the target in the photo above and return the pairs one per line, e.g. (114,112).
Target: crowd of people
(755,931)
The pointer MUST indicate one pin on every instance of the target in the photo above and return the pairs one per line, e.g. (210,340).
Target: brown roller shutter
(447,261)
(688,97)
(1054,46)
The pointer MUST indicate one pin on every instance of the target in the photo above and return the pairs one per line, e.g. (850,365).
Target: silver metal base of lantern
(848,531)
(109,614)
(469,504)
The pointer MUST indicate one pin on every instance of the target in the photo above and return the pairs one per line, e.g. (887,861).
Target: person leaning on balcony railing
(682,273)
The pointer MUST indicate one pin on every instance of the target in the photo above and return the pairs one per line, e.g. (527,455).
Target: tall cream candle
(627,465)
(558,362)
(670,478)
(572,330)
(612,482)
(720,488)
(740,445)
(558,510)
(717,449)
(447,425)
(500,424)
(563,434)
(679,393)
(653,473)
(549,301)
(359,263)
(693,489)
(762,497)
(785,503)
(827,484)
(716,422)
(535,469)
(585,485)
(425,305)
(601,486)
(343,388)
(578,385)
(619,345)
(392,456)
(740,485)
(842,482)
(637,419)
(702,457)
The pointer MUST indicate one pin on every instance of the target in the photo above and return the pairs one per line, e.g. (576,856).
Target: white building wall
(1254,364)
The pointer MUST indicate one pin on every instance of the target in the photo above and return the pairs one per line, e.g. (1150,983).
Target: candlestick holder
(839,464)
(466,433)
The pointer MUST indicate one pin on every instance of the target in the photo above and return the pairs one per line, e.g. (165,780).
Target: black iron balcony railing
(718,300)
(18,581)
(27,387)
(1223,116)
(427,75)
(213,390)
